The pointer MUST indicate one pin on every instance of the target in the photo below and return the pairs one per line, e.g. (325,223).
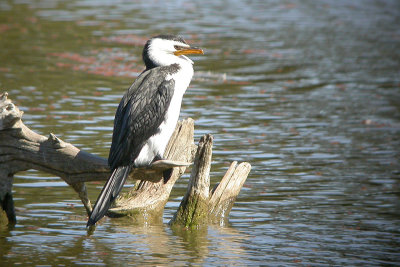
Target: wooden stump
(197,207)
(193,210)
(224,194)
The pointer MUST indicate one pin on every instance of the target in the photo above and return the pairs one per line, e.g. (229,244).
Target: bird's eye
(177,47)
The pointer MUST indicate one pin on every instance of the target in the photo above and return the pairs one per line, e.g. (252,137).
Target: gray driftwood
(22,149)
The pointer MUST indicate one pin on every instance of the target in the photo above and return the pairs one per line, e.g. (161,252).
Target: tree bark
(224,194)
(193,210)
(22,149)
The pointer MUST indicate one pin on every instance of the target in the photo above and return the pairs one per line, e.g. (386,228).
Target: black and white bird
(147,114)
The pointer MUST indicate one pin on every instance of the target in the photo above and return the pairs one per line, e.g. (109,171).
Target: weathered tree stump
(193,210)
(224,194)
(199,206)
(22,149)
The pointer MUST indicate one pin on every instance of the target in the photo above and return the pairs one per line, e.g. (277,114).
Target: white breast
(157,143)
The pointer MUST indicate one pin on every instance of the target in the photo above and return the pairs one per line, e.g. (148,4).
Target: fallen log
(22,149)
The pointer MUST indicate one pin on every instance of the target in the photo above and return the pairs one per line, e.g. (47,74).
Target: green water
(306,91)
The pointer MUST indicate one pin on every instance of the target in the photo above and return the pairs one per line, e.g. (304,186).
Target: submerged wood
(22,149)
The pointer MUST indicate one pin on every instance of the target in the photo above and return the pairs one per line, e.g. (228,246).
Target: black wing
(139,114)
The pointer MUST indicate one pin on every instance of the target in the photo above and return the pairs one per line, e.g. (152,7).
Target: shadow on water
(306,91)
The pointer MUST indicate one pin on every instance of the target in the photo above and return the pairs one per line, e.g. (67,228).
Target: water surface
(306,91)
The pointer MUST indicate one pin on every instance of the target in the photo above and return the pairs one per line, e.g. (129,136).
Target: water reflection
(153,245)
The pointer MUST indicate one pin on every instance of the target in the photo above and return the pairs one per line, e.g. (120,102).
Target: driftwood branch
(22,149)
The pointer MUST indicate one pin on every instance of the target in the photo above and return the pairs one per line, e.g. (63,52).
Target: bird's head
(163,50)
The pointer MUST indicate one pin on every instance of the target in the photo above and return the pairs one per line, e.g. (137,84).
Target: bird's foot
(167,173)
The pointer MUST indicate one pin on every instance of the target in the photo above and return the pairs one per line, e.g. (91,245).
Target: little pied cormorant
(147,114)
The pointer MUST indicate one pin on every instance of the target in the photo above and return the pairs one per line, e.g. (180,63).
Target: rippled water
(306,91)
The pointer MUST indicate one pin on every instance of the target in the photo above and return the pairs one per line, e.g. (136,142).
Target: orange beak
(189,51)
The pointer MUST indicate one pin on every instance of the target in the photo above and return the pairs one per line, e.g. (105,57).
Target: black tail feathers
(108,194)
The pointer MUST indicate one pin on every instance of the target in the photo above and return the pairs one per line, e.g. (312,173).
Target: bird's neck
(182,78)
